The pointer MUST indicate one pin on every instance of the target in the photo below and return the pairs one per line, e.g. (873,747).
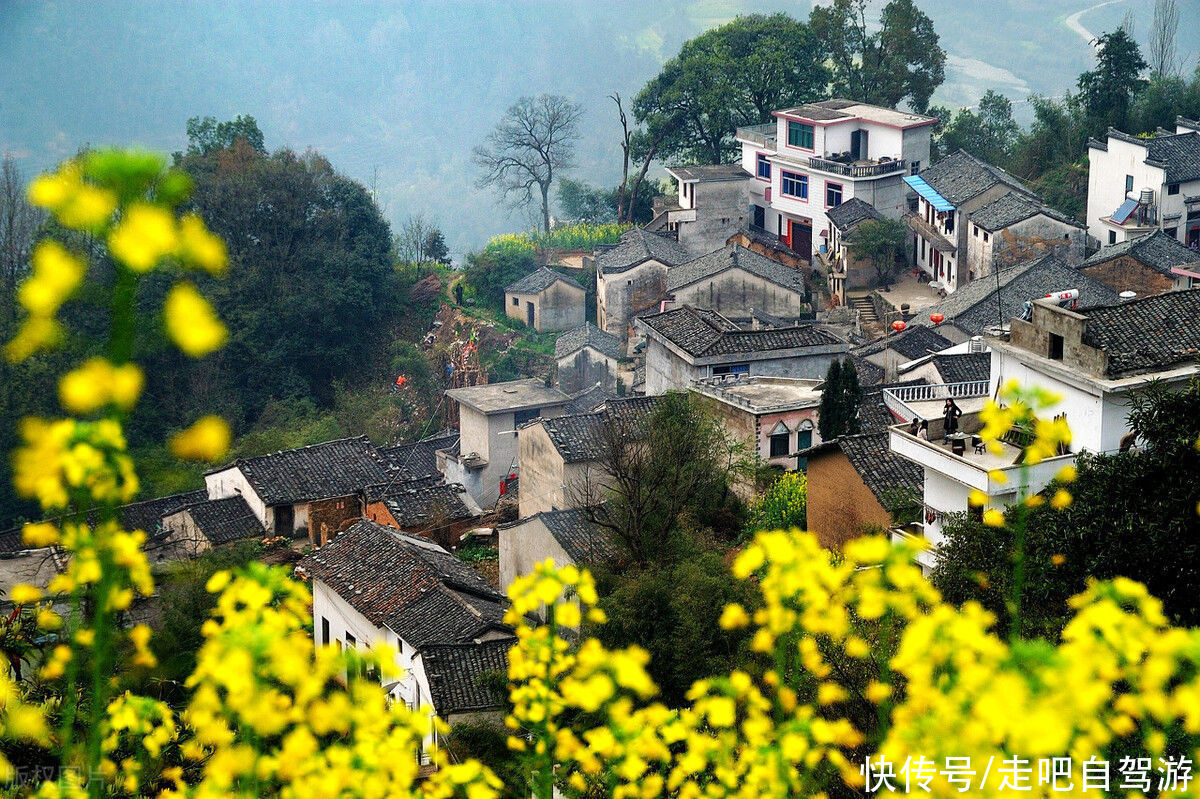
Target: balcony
(858,169)
(995,474)
(762,135)
(926,401)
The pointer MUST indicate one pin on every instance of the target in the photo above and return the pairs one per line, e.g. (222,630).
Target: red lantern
(898,325)
(936,318)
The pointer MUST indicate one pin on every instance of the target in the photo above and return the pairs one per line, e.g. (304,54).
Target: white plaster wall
(945,495)
(523,546)
(231,482)
(1106,182)
(1084,410)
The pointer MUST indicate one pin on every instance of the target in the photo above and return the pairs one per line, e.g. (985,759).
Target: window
(1112,237)
(833,194)
(916,167)
(351,641)
(516,301)
(949,222)
(1173,232)
(731,369)
(800,135)
(1173,189)
(975,231)
(780,444)
(521,417)
(1128,183)
(764,167)
(1056,347)
(985,237)
(324,630)
(793,185)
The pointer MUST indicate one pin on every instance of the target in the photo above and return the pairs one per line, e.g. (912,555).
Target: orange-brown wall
(839,502)
(327,517)
(1129,274)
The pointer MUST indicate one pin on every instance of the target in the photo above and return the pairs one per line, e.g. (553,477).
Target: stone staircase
(866,310)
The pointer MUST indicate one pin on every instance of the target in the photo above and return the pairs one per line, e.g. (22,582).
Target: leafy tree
(733,75)
(1058,136)
(206,135)
(990,133)
(530,145)
(899,61)
(1129,510)
(1107,92)
(880,241)
(582,202)
(674,460)
(489,271)
(434,246)
(782,506)
(840,398)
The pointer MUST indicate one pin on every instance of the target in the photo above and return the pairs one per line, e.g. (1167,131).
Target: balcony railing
(897,399)
(857,170)
(763,135)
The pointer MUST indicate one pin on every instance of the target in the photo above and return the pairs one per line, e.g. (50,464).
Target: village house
(486,451)
(565,536)
(561,458)
(895,349)
(973,218)
(711,205)
(985,306)
(435,510)
(855,484)
(315,489)
(1146,264)
(418,460)
(1093,358)
(202,526)
(685,345)
(587,356)
(844,268)
(775,417)
(815,157)
(1136,185)
(738,283)
(546,301)
(631,277)
(375,586)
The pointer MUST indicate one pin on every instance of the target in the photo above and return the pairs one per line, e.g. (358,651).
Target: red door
(800,236)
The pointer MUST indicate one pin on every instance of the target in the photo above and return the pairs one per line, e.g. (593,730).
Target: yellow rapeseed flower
(191,321)
(145,235)
(22,594)
(1061,499)
(207,440)
(993,518)
(200,248)
(733,617)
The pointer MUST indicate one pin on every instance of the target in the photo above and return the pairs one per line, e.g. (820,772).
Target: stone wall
(1126,273)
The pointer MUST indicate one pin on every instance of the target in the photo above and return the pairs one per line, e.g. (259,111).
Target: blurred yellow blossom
(207,440)
(145,235)
(191,321)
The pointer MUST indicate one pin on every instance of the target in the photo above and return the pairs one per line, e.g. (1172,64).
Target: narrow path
(1075,25)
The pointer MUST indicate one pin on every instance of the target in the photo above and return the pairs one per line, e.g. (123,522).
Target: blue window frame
(800,135)
(731,369)
(793,185)
(764,167)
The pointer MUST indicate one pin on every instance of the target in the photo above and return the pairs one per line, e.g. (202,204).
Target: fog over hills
(397,94)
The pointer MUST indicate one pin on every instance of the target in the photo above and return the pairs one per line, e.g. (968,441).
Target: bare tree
(410,243)
(531,144)
(19,225)
(626,138)
(1160,50)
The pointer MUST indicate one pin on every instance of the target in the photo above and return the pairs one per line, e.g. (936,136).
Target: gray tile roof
(318,471)
(964,367)
(1155,249)
(147,515)
(539,280)
(589,399)
(637,246)
(463,677)
(416,503)
(973,307)
(585,541)
(735,256)
(961,176)
(1147,334)
(419,459)
(588,335)
(850,213)
(408,584)
(1014,207)
(224,520)
(1179,155)
(709,172)
(889,476)
(869,374)
(914,342)
(699,336)
(579,437)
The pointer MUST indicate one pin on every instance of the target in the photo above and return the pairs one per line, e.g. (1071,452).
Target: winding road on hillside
(1074,24)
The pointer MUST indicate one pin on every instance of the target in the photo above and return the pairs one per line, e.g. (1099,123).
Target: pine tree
(839,401)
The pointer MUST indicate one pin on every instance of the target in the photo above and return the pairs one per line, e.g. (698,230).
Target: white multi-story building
(1136,185)
(817,156)
(1093,359)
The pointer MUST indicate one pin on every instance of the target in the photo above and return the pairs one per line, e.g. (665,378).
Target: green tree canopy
(1107,92)
(206,135)
(896,61)
(733,75)
(881,241)
(989,133)
(840,398)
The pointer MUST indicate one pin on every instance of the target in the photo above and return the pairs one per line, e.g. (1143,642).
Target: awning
(922,188)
